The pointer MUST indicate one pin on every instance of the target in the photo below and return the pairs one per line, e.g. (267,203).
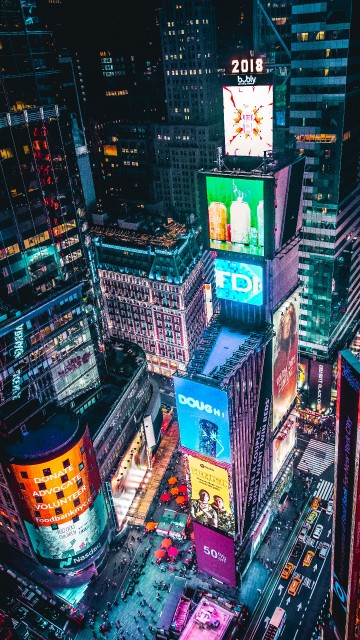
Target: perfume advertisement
(203,418)
(248,120)
(236,214)
(285,356)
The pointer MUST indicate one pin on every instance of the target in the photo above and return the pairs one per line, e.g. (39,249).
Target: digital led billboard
(236,214)
(283,444)
(347,441)
(320,386)
(210,501)
(203,418)
(215,553)
(285,356)
(62,505)
(239,282)
(248,120)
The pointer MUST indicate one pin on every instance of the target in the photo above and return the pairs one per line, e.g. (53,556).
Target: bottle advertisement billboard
(248,120)
(239,282)
(215,553)
(210,500)
(285,356)
(62,504)
(236,214)
(203,418)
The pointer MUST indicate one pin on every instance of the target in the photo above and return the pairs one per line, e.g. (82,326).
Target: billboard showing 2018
(203,418)
(248,120)
(236,214)
(285,356)
(215,553)
(239,282)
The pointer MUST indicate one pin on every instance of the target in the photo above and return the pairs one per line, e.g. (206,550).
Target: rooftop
(164,234)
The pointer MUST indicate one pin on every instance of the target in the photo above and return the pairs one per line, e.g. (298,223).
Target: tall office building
(322,44)
(345,574)
(193,132)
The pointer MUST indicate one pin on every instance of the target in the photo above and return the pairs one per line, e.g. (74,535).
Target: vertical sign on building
(285,356)
(320,386)
(262,425)
(347,445)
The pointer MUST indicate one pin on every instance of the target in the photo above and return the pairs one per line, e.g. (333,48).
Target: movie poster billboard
(236,214)
(248,120)
(210,500)
(320,386)
(239,282)
(347,440)
(283,444)
(203,418)
(285,356)
(215,553)
(62,504)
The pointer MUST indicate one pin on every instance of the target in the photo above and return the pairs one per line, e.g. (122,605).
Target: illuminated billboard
(76,370)
(285,356)
(210,501)
(346,551)
(248,120)
(283,444)
(320,386)
(236,214)
(215,553)
(62,504)
(239,282)
(203,418)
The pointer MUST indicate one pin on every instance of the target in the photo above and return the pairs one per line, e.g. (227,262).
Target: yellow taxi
(287,570)
(294,586)
(316,503)
(308,558)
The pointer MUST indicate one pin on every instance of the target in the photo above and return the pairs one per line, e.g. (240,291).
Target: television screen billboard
(236,214)
(320,386)
(210,501)
(283,444)
(248,120)
(347,427)
(285,356)
(203,418)
(62,505)
(215,553)
(239,282)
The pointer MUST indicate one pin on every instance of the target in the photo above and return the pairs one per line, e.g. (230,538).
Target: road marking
(317,457)
(288,601)
(328,533)
(299,606)
(324,490)
(280,587)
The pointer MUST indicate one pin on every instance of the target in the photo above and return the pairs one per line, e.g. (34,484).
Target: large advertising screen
(236,214)
(248,120)
(285,356)
(320,386)
(203,418)
(283,444)
(215,553)
(210,500)
(239,282)
(62,504)
(347,427)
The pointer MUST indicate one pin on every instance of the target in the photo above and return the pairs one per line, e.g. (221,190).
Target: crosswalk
(317,457)
(325,490)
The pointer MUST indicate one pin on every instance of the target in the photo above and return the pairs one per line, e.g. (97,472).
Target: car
(330,507)
(41,622)
(294,586)
(317,531)
(21,612)
(303,534)
(316,503)
(287,570)
(308,558)
(323,549)
(297,550)
(313,515)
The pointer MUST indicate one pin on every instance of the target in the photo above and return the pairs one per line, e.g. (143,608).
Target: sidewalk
(270,550)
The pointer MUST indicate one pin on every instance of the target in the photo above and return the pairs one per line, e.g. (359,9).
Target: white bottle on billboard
(240,221)
(260,222)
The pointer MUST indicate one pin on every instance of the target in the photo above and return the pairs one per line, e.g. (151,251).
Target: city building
(345,564)
(235,402)
(151,278)
(193,132)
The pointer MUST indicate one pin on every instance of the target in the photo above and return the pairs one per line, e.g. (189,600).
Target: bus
(275,625)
